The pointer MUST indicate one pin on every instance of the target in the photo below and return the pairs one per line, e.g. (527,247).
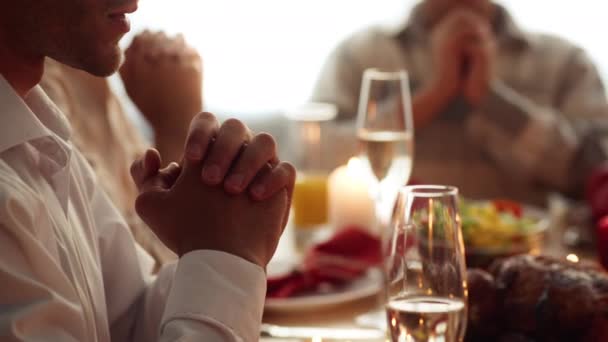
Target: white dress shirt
(69,267)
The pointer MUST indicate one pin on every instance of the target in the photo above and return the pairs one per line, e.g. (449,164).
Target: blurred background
(263,56)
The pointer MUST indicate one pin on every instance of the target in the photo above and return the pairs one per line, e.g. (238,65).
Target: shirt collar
(505,27)
(30,118)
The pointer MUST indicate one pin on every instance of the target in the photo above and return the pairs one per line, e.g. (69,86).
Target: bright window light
(261,56)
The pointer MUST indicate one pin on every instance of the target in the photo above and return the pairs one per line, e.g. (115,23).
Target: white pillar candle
(349,200)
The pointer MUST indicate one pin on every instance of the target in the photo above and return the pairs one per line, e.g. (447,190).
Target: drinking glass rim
(385,75)
(429,191)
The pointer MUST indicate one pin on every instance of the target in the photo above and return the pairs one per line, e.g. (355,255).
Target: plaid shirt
(537,131)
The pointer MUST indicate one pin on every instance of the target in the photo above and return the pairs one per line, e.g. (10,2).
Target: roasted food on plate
(535,298)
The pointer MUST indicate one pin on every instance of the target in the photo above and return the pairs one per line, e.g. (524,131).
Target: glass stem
(379,206)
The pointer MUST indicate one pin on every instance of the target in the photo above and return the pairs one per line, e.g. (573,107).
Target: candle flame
(355,168)
(572,258)
(354,163)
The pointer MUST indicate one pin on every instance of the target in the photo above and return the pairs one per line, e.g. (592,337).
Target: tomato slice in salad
(508,206)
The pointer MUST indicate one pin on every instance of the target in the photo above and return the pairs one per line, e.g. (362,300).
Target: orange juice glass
(310,201)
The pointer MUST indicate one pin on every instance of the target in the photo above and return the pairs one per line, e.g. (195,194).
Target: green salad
(498,224)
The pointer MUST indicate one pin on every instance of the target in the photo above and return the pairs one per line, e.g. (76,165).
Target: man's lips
(119,16)
(121,11)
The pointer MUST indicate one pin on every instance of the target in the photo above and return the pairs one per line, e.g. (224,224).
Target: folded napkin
(596,191)
(602,241)
(344,257)
(596,194)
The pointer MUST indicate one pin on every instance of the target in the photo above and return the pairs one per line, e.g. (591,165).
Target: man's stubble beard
(77,40)
(83,54)
(101,66)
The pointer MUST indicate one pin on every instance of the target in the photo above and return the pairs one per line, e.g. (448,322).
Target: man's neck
(23,71)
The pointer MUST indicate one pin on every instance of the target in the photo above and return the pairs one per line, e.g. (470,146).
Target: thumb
(163,180)
(153,202)
(152,207)
(148,205)
(154,191)
(145,167)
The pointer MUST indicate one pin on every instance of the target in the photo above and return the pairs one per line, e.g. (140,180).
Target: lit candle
(573,258)
(349,200)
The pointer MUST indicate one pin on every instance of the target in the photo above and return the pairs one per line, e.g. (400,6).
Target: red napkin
(345,257)
(596,191)
(596,194)
(414,181)
(602,241)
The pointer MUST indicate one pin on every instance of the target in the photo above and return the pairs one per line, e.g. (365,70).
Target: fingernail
(235,182)
(211,174)
(194,152)
(258,191)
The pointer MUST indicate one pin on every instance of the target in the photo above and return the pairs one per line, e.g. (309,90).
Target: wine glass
(385,132)
(424,267)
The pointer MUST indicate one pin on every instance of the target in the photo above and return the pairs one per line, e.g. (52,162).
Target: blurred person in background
(499,112)
(163,77)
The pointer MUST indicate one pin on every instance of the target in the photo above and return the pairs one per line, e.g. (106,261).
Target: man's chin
(98,64)
(105,66)
(102,71)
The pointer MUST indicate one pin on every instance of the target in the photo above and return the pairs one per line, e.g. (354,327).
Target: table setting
(372,255)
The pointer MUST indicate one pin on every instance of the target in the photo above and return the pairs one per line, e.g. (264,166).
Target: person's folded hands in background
(163,76)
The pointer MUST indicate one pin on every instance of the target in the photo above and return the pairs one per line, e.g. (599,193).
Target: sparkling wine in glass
(424,267)
(385,132)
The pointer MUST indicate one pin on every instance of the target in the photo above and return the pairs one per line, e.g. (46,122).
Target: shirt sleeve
(218,294)
(553,145)
(37,301)
(205,296)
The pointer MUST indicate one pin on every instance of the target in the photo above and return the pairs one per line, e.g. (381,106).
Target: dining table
(367,312)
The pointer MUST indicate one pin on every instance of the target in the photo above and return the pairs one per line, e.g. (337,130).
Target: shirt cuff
(219,289)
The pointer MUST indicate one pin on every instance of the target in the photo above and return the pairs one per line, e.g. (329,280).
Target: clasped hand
(464,49)
(229,193)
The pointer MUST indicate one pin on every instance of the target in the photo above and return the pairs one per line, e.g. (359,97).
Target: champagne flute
(424,267)
(385,131)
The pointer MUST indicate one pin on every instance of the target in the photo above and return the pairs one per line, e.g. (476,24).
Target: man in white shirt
(69,268)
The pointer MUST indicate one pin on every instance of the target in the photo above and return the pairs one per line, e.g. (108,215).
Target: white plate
(365,286)
(541,216)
